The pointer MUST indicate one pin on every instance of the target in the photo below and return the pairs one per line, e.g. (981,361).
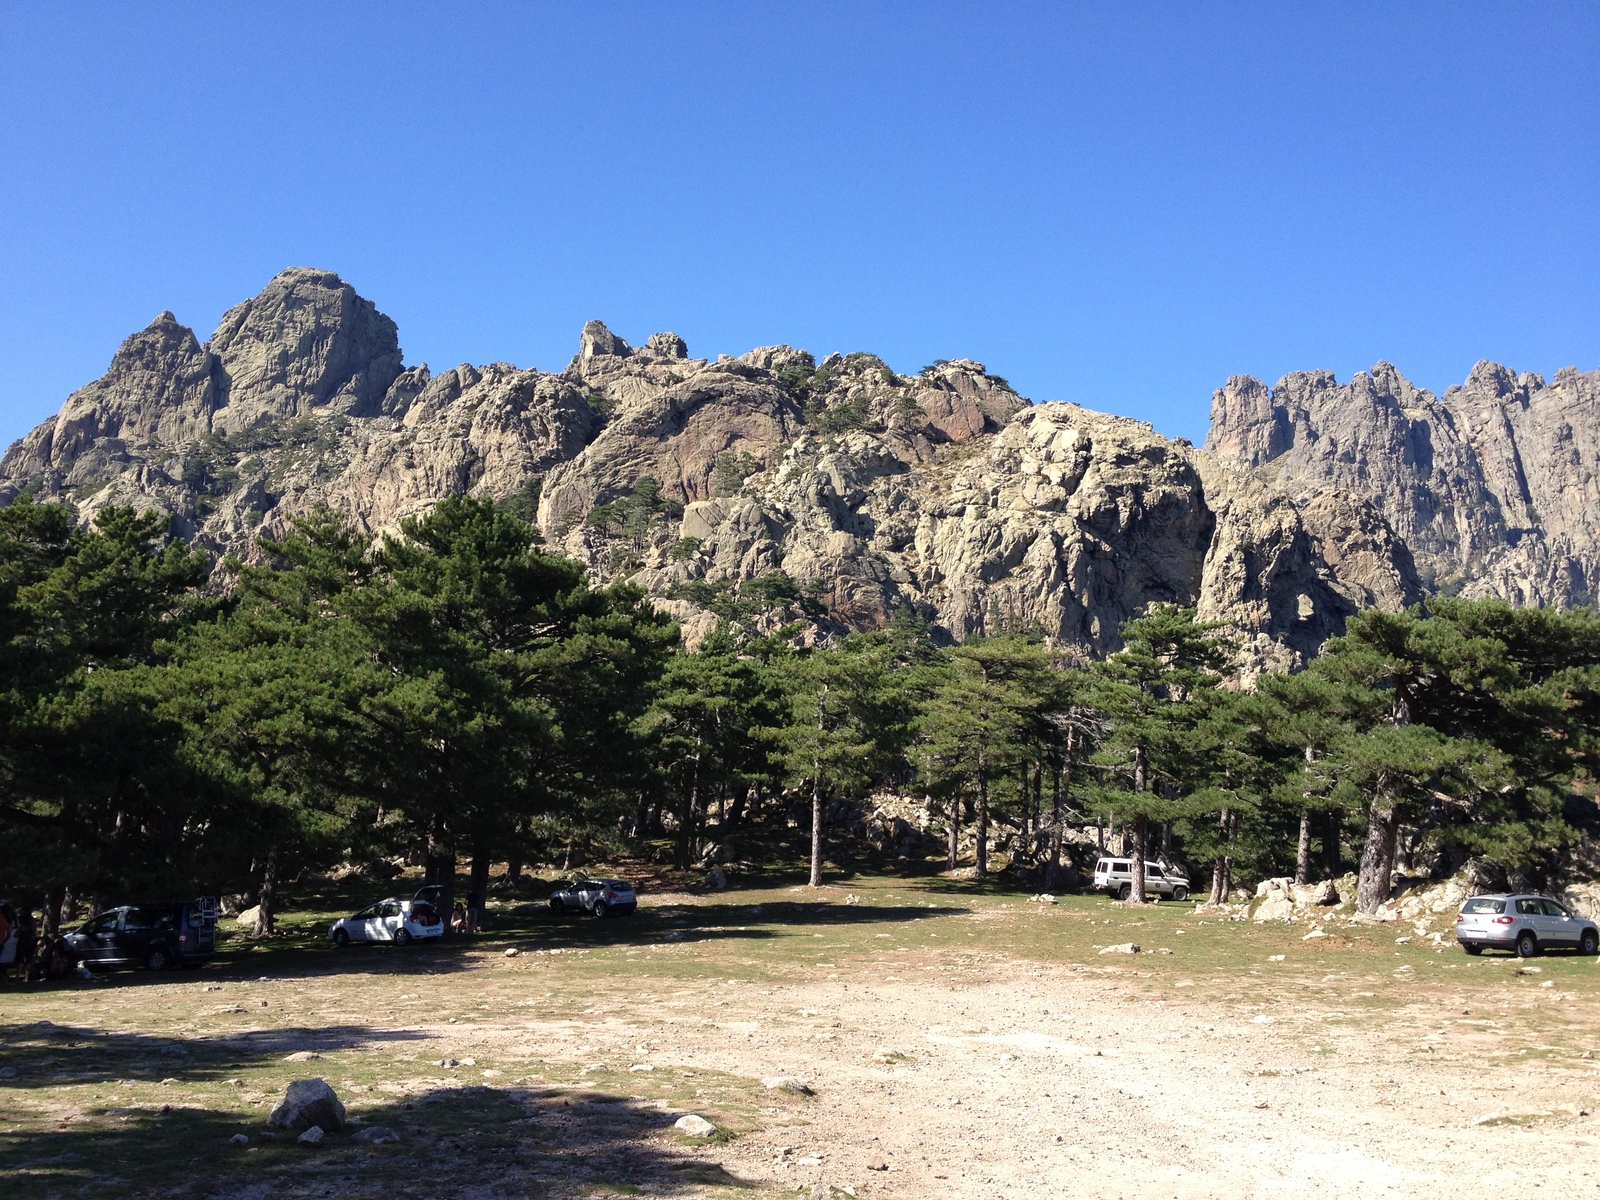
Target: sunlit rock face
(771,488)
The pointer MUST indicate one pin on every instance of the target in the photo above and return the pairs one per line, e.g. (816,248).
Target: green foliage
(523,504)
(840,418)
(684,549)
(728,477)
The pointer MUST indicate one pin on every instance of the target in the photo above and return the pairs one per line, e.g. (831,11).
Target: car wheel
(1589,943)
(1473,949)
(556,904)
(1125,891)
(158,959)
(1527,945)
(601,908)
(402,937)
(341,938)
(1180,894)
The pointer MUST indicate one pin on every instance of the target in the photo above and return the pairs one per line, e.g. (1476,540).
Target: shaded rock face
(764,488)
(1491,487)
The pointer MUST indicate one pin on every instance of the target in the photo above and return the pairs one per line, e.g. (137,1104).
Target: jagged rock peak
(307,342)
(1491,486)
(596,341)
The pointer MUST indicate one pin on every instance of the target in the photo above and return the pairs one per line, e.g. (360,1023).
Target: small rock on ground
(311,1137)
(1121,948)
(377,1135)
(786,1083)
(694,1126)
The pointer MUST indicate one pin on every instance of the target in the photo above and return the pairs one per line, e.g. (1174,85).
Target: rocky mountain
(760,488)
(1493,486)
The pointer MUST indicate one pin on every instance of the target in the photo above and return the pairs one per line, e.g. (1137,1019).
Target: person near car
(458,918)
(27,945)
(8,941)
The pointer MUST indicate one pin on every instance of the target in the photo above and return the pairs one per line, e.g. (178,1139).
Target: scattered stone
(308,1102)
(1529,970)
(1043,898)
(1315,933)
(247,919)
(887,1054)
(694,1126)
(1276,957)
(1548,983)
(312,1136)
(786,1083)
(449,1062)
(377,1135)
(880,1165)
(512,952)
(469,1061)
(168,1082)
(300,1055)
(641,1067)
(716,879)
(212,987)
(234,1082)
(1401,941)
(240,1139)
(1122,948)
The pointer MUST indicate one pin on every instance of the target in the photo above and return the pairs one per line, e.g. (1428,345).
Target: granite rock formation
(764,488)
(1492,486)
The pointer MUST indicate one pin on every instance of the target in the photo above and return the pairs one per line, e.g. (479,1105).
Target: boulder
(376,1135)
(308,1102)
(312,1136)
(247,918)
(693,1126)
(786,1083)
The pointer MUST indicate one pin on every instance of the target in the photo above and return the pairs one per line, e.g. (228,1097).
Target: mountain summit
(771,486)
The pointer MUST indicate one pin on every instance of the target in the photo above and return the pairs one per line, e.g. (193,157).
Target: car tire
(1125,891)
(158,959)
(1589,943)
(402,937)
(556,905)
(1527,945)
(341,938)
(1180,894)
(601,909)
(1472,949)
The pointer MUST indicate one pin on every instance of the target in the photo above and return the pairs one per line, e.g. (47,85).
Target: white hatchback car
(397,921)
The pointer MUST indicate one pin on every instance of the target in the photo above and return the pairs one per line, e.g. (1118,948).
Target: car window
(1528,908)
(104,923)
(391,910)
(1552,909)
(1483,906)
(370,911)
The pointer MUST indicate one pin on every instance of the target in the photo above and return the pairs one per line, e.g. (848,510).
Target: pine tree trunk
(1139,828)
(53,899)
(1053,875)
(478,884)
(1220,866)
(1302,861)
(1377,857)
(980,868)
(267,906)
(1332,858)
(953,846)
(816,824)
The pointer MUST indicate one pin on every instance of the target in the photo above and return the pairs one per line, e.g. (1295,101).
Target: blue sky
(1119,205)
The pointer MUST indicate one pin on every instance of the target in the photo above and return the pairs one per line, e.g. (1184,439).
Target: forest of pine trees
(458,695)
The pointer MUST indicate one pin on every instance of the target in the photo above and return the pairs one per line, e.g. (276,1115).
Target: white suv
(1114,876)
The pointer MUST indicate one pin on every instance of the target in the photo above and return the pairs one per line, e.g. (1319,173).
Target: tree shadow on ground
(483,1141)
(44,1054)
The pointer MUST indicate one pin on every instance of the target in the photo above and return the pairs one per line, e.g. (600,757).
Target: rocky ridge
(1493,486)
(763,488)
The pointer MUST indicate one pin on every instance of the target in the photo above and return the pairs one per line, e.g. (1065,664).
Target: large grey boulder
(306,1103)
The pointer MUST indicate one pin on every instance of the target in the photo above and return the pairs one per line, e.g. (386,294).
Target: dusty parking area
(957,1042)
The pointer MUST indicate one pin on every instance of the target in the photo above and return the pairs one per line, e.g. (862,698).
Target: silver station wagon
(1524,925)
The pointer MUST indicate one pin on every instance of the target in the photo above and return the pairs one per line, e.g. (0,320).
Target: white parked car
(1114,876)
(399,921)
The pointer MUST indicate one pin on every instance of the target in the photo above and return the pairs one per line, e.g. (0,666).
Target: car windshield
(1552,909)
(1481,905)
(369,911)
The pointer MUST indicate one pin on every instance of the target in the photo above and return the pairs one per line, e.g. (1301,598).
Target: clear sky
(1115,204)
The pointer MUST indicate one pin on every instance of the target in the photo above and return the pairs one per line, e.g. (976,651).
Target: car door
(1529,916)
(1562,926)
(97,941)
(389,920)
(360,926)
(135,933)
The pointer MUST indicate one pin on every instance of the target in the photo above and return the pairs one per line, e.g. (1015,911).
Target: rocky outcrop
(765,488)
(1492,486)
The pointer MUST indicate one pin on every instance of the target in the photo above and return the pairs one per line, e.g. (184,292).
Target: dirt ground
(959,1043)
